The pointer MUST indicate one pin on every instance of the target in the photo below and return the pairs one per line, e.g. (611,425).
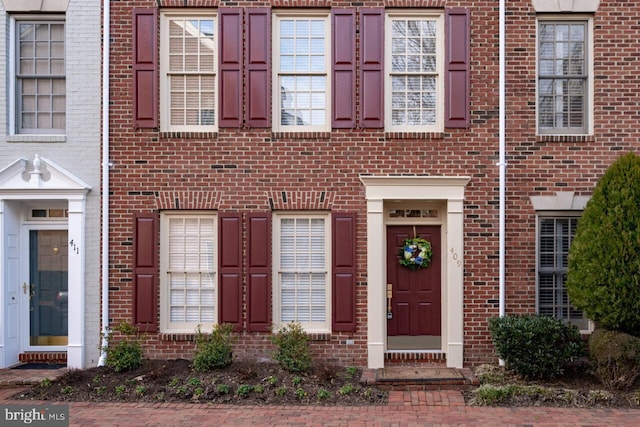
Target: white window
(414,68)
(188,291)
(564,77)
(302,271)
(301,83)
(555,235)
(40,106)
(188,64)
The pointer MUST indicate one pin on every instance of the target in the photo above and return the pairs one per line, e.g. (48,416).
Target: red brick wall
(243,166)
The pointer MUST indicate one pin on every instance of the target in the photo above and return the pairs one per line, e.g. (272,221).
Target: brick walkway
(415,408)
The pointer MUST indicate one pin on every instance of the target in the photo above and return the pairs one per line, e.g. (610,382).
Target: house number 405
(455,257)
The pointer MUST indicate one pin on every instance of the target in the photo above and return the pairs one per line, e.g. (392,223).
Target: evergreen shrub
(214,350)
(126,354)
(535,346)
(292,348)
(615,358)
(604,257)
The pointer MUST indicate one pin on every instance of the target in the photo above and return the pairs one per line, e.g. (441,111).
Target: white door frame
(25,320)
(407,188)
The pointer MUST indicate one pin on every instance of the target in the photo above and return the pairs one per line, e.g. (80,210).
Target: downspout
(502,162)
(105,179)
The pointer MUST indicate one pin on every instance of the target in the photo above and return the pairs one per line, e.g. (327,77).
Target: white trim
(15,124)
(439,73)
(589,65)
(184,327)
(25,319)
(449,190)
(35,5)
(277,17)
(310,327)
(41,179)
(165,96)
(565,6)
(561,201)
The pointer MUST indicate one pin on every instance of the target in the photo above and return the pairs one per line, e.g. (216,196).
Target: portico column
(75,347)
(455,274)
(376,297)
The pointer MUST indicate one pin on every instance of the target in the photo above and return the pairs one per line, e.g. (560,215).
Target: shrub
(222,389)
(323,393)
(346,389)
(244,390)
(213,350)
(535,346)
(615,357)
(604,258)
(292,348)
(127,353)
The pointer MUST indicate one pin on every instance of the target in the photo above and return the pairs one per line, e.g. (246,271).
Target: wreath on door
(416,253)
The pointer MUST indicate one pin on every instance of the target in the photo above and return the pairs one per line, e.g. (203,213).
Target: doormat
(40,366)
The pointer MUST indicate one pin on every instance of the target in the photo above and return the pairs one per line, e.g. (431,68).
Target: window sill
(565,138)
(36,138)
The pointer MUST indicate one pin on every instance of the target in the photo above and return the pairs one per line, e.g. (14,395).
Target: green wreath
(416,253)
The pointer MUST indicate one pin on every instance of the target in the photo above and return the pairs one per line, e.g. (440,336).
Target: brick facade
(247,170)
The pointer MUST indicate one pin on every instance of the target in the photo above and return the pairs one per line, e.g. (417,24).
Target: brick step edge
(43,357)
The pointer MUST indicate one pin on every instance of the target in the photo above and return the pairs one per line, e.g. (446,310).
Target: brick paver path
(415,408)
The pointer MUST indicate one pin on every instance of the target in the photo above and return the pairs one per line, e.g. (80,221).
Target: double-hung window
(188,64)
(188,253)
(301,78)
(40,76)
(302,271)
(563,77)
(555,235)
(414,65)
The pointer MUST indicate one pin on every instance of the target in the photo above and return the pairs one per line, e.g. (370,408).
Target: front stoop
(408,378)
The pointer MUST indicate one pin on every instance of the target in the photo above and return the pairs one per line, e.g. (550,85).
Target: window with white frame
(188,291)
(414,67)
(188,64)
(563,77)
(301,82)
(40,76)
(302,271)
(555,235)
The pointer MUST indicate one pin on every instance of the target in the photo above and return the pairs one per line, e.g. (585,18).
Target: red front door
(415,302)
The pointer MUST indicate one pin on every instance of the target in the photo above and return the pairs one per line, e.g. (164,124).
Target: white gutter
(502,162)
(105,179)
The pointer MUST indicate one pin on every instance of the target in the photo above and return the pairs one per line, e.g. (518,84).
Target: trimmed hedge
(535,346)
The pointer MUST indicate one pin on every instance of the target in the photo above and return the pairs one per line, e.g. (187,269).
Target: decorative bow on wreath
(416,253)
